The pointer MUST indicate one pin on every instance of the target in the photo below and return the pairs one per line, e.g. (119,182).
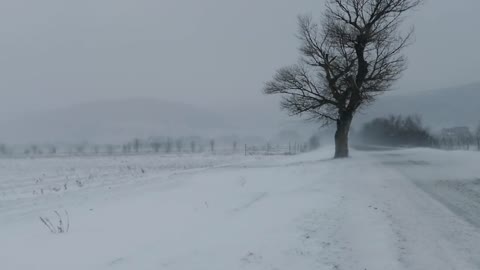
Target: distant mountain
(454,106)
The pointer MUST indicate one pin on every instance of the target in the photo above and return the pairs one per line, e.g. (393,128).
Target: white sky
(208,53)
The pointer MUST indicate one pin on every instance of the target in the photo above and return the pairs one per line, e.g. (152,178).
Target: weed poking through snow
(62,224)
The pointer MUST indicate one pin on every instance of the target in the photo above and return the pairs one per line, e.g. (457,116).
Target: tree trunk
(341,135)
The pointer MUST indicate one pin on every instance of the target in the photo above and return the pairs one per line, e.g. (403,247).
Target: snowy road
(408,209)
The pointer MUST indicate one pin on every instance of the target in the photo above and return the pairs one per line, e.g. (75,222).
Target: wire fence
(291,148)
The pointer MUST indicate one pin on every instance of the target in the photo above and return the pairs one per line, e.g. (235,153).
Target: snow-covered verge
(43,182)
(377,210)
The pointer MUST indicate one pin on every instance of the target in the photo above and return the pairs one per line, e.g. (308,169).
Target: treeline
(409,131)
(397,130)
(164,145)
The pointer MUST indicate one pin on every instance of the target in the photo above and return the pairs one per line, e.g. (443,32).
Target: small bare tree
(234,145)
(126,148)
(156,145)
(3,149)
(168,146)
(348,60)
(52,149)
(35,149)
(110,149)
(212,145)
(465,139)
(80,148)
(136,145)
(477,136)
(192,146)
(179,145)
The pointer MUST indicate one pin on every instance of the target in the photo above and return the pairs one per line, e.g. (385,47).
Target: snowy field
(396,209)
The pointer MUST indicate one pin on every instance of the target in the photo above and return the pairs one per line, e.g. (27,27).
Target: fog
(214,55)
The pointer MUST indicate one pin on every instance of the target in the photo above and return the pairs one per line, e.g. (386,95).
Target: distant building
(456,132)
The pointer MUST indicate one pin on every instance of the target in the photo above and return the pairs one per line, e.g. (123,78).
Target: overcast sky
(209,52)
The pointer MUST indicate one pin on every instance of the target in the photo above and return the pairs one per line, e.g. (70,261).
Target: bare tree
(3,149)
(110,149)
(156,145)
(269,147)
(168,146)
(212,145)
(465,139)
(234,144)
(477,136)
(179,145)
(35,149)
(126,148)
(52,149)
(348,60)
(314,142)
(80,148)
(136,145)
(192,146)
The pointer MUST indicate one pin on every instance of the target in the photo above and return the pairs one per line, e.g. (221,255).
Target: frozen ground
(407,209)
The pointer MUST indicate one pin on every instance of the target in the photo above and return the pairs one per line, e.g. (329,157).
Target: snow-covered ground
(404,209)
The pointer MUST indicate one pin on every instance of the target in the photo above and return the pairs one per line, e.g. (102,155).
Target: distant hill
(112,121)
(120,120)
(454,106)
(115,121)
